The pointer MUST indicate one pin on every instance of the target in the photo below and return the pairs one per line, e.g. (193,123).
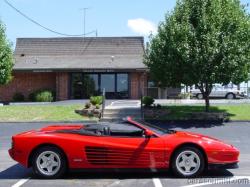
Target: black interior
(119,130)
(138,133)
(109,130)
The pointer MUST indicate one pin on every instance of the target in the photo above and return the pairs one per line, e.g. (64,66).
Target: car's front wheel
(49,163)
(188,162)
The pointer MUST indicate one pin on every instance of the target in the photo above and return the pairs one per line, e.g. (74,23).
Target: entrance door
(122,90)
(108,83)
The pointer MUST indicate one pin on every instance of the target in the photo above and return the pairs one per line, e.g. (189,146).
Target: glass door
(108,83)
(122,91)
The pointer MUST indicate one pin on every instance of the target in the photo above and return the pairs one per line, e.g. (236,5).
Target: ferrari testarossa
(53,150)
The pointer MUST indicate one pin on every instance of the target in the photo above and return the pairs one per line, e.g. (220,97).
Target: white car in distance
(219,91)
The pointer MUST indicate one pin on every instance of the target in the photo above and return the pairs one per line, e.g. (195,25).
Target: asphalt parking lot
(238,134)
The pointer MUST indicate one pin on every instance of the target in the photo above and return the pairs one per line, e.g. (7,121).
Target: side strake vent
(115,156)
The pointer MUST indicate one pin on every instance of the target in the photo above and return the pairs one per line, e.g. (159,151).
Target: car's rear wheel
(49,163)
(188,162)
(230,96)
(199,96)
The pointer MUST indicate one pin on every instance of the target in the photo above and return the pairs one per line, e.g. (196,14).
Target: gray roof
(74,53)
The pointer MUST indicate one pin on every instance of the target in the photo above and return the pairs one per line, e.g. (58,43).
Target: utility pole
(84,20)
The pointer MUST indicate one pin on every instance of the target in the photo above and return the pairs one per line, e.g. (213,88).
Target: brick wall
(27,83)
(62,86)
(137,84)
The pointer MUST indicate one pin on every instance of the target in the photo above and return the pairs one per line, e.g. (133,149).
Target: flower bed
(90,112)
(154,113)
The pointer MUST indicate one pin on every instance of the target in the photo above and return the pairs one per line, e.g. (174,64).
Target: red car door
(128,152)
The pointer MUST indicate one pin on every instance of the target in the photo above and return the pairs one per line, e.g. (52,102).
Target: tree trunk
(206,89)
(206,97)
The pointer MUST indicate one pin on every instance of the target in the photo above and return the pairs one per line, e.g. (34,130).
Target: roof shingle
(79,53)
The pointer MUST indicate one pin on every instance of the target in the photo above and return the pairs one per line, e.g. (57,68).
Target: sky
(108,17)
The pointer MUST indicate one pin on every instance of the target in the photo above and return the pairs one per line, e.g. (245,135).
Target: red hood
(201,139)
(194,135)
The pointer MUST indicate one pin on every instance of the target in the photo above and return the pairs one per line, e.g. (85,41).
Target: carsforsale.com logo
(227,180)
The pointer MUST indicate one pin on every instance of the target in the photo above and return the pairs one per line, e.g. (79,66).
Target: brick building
(76,68)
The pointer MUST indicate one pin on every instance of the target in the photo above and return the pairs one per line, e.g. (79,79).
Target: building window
(76,86)
(85,85)
(90,85)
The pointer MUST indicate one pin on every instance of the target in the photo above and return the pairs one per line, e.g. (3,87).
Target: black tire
(178,152)
(230,96)
(61,170)
(199,96)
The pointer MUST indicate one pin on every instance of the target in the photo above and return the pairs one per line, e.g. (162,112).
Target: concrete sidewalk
(136,103)
(201,102)
(120,109)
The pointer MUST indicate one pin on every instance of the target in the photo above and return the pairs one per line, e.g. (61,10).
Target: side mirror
(148,133)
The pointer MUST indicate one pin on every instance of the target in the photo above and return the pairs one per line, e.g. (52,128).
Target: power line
(46,28)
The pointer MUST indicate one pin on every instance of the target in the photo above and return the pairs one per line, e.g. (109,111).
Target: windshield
(155,129)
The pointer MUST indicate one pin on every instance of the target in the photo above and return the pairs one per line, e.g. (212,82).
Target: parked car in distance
(53,150)
(219,91)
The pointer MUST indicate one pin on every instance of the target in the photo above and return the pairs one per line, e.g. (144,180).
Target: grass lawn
(40,113)
(235,112)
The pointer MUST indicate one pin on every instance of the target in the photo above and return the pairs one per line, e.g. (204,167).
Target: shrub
(18,97)
(158,106)
(87,106)
(97,106)
(32,97)
(44,96)
(147,101)
(94,100)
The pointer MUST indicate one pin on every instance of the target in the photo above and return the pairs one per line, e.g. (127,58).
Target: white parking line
(157,182)
(20,182)
(217,181)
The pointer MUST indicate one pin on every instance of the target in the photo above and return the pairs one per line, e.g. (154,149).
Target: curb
(29,103)
(54,122)
(96,121)
(239,121)
(198,121)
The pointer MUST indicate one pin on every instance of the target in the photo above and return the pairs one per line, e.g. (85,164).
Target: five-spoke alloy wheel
(49,162)
(188,162)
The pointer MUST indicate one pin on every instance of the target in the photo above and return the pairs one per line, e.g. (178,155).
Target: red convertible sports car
(131,144)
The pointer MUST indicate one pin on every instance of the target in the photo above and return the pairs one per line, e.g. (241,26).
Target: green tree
(201,42)
(6,57)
